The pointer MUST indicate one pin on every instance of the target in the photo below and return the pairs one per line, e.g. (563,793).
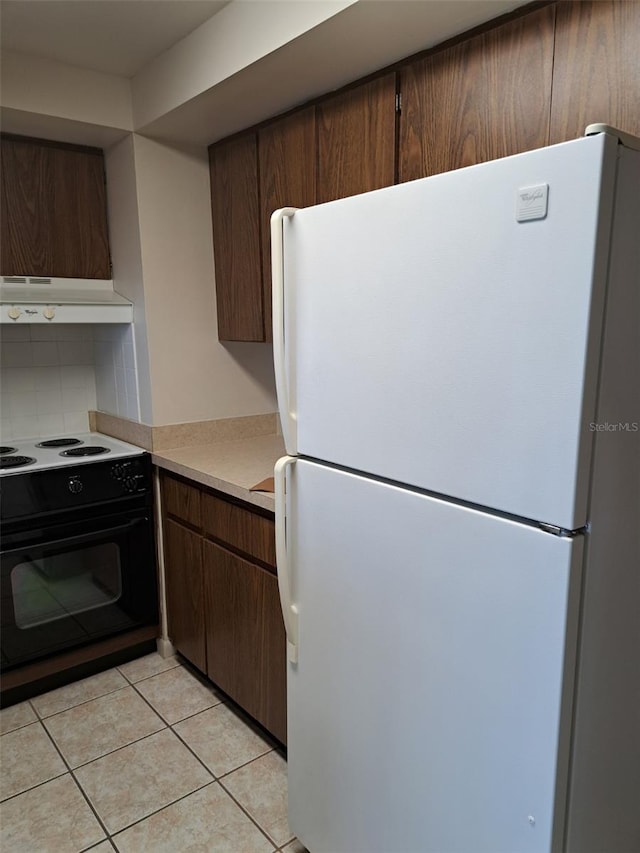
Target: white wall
(193,376)
(241,34)
(126,257)
(45,87)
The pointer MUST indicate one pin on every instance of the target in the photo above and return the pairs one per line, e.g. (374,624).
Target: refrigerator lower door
(429,706)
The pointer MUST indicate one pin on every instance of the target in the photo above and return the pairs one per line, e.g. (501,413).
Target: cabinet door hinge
(398,102)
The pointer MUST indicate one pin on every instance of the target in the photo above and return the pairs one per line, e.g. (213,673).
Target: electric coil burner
(59,442)
(92,450)
(77,550)
(16,462)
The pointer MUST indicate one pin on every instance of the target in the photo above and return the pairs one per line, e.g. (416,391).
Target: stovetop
(60,451)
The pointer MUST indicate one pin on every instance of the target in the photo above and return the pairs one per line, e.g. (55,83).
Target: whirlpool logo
(531,196)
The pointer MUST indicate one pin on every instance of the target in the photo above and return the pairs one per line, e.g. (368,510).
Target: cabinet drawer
(241,529)
(182,501)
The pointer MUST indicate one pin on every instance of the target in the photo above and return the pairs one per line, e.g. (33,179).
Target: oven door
(69,585)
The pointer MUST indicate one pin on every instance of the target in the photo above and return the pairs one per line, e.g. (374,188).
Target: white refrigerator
(458,366)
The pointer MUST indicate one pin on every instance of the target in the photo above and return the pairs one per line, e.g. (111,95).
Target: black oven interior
(77,557)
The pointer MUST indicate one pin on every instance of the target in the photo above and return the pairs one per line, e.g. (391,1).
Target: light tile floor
(143,758)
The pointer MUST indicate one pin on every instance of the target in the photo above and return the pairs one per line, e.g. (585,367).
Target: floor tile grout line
(192,751)
(77,783)
(218,778)
(213,781)
(124,746)
(146,677)
(223,699)
(68,772)
(208,769)
(169,724)
(250,816)
(246,764)
(97,844)
(42,717)
(33,787)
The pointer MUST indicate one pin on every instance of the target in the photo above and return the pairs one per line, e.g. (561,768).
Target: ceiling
(113,36)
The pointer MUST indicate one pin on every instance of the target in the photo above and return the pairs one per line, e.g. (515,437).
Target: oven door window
(54,586)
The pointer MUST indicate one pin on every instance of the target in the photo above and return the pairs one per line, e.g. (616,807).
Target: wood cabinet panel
(182,500)
(224,610)
(273,677)
(236,239)
(484,98)
(26,192)
(246,531)
(356,139)
(287,157)
(54,210)
(234,591)
(185,592)
(80,215)
(596,72)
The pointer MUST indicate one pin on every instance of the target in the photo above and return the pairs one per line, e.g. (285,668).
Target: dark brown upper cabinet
(235,211)
(287,158)
(357,139)
(53,209)
(478,100)
(596,70)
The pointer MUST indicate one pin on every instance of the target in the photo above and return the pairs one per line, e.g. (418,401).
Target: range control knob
(75,485)
(49,313)
(14,312)
(132,482)
(119,470)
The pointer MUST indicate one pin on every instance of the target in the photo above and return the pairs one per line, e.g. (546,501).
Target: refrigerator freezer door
(426,709)
(440,342)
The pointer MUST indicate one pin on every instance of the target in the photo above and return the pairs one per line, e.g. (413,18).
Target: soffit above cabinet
(360,39)
(250,60)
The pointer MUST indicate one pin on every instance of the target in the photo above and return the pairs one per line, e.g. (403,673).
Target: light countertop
(232,467)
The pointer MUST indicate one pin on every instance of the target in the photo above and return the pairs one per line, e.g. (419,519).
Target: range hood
(36,299)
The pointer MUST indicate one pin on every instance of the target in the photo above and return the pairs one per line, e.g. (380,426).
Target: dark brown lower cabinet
(183,577)
(245,636)
(223,606)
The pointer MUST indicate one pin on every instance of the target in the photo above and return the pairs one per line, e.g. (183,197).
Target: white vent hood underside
(36,299)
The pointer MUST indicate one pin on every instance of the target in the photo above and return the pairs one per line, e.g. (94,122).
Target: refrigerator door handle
(289,610)
(287,416)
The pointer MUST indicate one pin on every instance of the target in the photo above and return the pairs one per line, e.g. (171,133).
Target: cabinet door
(236,239)
(596,70)
(356,140)
(233,595)
(184,590)
(245,649)
(485,98)
(54,210)
(273,675)
(287,156)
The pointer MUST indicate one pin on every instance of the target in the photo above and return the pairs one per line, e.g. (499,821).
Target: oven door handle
(77,540)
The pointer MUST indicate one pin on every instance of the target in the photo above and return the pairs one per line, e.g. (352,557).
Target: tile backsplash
(51,376)
(116,371)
